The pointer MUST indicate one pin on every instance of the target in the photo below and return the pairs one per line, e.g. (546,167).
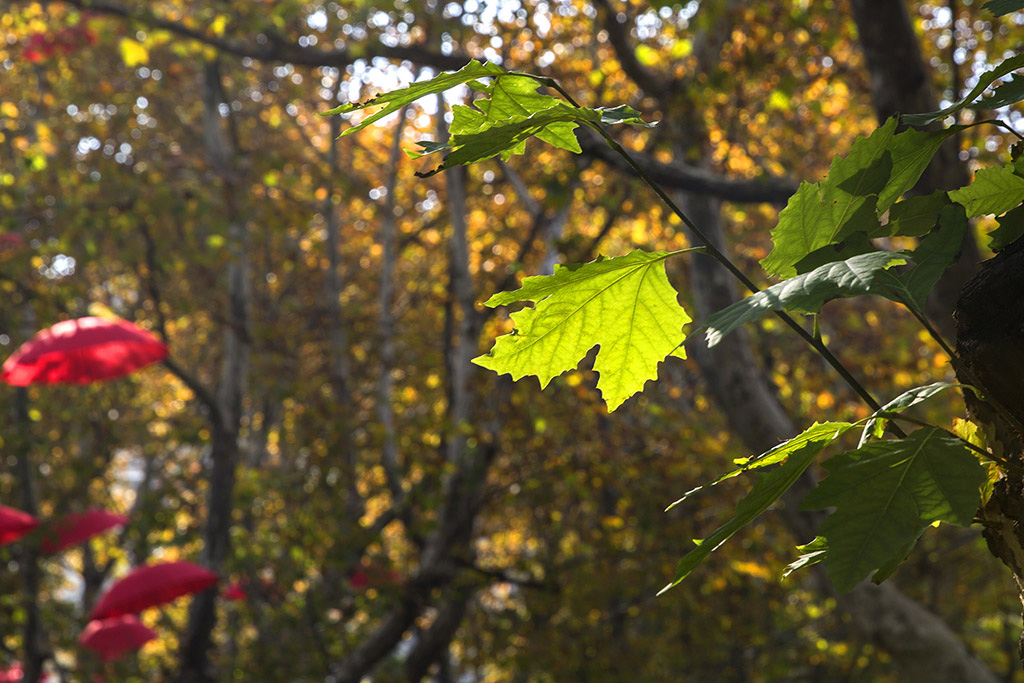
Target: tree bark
(990,335)
(226,419)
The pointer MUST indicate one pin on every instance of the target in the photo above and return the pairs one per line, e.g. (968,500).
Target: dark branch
(688,178)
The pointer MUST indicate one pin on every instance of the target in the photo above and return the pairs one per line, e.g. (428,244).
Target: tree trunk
(990,335)
(194,658)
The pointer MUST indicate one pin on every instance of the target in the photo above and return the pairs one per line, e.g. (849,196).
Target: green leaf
(819,435)
(854,245)
(994,190)
(473,140)
(912,151)
(875,426)
(889,567)
(1001,7)
(626,305)
(1011,227)
(886,493)
(806,293)
(766,490)
(936,252)
(984,81)
(1007,93)
(824,213)
(878,170)
(813,553)
(396,99)
(916,216)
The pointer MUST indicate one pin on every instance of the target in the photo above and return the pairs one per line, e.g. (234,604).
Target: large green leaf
(878,170)
(817,434)
(984,81)
(886,493)
(994,190)
(396,99)
(626,305)
(806,293)
(766,490)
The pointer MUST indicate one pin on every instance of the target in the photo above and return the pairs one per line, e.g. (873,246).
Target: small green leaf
(854,245)
(817,435)
(396,99)
(984,81)
(626,305)
(1001,7)
(813,553)
(912,151)
(994,190)
(875,426)
(1011,227)
(936,252)
(1007,93)
(916,216)
(766,490)
(806,293)
(886,493)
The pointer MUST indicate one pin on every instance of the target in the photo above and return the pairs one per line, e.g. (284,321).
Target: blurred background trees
(319,435)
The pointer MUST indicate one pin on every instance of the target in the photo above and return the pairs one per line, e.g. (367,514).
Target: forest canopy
(299,450)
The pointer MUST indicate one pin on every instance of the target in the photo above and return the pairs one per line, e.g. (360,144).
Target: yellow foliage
(133,53)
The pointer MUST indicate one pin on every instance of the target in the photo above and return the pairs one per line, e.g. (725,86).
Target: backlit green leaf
(916,216)
(886,493)
(813,553)
(994,190)
(1005,94)
(396,99)
(626,305)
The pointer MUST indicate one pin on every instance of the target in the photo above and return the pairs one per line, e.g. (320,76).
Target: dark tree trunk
(990,338)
